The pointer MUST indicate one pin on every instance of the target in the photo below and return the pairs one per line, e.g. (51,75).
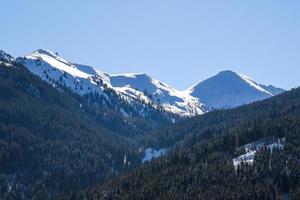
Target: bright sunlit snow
(228,89)
(225,90)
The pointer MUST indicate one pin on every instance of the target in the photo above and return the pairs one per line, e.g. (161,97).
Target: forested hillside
(215,122)
(201,164)
(53,141)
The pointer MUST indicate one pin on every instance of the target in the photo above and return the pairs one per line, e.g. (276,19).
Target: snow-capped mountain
(229,89)
(169,98)
(84,79)
(224,90)
(54,69)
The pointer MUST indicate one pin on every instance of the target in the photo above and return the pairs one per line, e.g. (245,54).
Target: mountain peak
(229,89)
(5,57)
(231,75)
(227,72)
(49,56)
(46,52)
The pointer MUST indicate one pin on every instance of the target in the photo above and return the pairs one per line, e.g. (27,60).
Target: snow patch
(245,158)
(252,148)
(150,154)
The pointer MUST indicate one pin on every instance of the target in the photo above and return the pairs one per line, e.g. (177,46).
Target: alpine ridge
(172,100)
(133,87)
(225,90)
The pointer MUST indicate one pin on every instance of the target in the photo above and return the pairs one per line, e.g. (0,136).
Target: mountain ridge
(140,87)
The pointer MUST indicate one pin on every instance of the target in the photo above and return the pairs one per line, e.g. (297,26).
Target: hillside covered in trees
(200,166)
(53,141)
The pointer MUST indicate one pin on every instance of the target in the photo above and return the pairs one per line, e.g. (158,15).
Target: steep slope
(172,100)
(51,141)
(201,166)
(225,90)
(228,89)
(52,68)
(92,84)
(134,88)
(146,94)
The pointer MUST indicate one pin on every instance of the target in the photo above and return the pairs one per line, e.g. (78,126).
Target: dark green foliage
(109,114)
(49,144)
(200,166)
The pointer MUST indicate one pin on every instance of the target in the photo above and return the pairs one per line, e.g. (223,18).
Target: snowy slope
(226,89)
(229,89)
(56,70)
(172,100)
(131,87)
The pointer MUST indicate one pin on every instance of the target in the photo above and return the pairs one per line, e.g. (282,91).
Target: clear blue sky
(180,42)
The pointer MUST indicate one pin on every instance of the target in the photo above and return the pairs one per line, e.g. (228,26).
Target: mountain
(229,89)
(205,149)
(52,68)
(170,99)
(85,80)
(65,127)
(226,89)
(54,141)
(94,85)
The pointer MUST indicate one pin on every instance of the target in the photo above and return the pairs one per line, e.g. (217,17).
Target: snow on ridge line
(58,63)
(51,54)
(252,83)
(131,75)
(77,70)
(228,89)
(55,70)
(133,86)
(171,99)
(245,78)
(84,79)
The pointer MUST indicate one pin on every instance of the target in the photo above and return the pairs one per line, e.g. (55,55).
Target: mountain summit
(229,89)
